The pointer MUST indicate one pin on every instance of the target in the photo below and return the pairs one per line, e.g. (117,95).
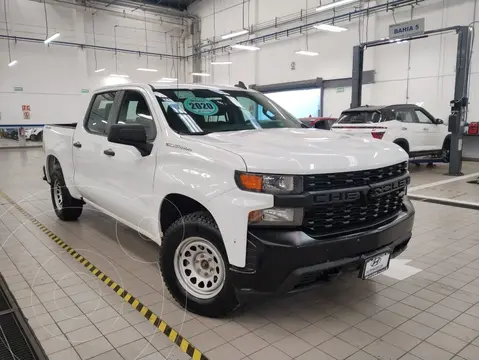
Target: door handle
(77,144)
(426,129)
(109,152)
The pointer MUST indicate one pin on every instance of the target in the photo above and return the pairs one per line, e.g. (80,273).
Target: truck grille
(353,178)
(342,218)
(346,217)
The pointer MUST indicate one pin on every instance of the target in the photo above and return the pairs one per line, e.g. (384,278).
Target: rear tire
(66,207)
(195,267)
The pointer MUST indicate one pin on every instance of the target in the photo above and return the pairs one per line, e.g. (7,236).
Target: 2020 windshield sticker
(200,106)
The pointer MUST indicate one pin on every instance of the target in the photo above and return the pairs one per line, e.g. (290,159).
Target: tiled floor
(431,315)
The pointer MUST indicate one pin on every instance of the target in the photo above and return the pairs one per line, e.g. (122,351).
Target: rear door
(89,141)
(408,128)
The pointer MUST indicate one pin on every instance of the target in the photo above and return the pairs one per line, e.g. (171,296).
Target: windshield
(359,117)
(203,111)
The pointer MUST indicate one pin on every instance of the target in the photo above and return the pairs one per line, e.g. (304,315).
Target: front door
(130,175)
(89,141)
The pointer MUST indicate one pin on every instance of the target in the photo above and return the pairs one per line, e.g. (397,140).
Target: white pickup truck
(241,197)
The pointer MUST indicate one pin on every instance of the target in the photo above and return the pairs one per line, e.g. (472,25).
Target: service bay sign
(407,29)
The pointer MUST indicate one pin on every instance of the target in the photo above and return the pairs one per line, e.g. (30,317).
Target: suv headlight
(269,183)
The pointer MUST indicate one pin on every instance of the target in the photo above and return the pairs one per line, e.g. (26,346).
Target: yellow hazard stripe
(160,324)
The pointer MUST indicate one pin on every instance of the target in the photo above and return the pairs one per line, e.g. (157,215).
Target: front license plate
(375,265)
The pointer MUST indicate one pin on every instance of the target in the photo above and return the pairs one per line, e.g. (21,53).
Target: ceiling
(173,4)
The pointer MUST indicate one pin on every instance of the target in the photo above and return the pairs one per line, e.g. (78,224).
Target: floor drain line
(160,324)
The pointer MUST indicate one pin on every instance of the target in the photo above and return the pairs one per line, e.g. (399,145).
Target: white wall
(53,76)
(420,72)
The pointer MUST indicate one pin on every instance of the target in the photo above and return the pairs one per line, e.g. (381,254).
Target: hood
(304,151)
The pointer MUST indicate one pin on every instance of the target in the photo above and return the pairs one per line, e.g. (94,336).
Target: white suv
(409,126)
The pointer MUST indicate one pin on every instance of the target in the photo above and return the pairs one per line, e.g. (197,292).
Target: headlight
(276,216)
(269,184)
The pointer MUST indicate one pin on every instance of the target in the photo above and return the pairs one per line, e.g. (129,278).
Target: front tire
(195,267)
(446,150)
(66,207)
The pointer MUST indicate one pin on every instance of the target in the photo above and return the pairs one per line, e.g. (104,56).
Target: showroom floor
(425,307)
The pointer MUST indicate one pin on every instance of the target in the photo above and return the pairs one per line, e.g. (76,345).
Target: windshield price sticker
(200,106)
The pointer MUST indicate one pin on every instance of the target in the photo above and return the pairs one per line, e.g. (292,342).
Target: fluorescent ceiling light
(307,53)
(13,63)
(99,70)
(146,69)
(332,28)
(200,74)
(334,5)
(167,80)
(221,62)
(51,38)
(245,47)
(234,34)
(119,75)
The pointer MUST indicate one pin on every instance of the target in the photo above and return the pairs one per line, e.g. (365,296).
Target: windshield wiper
(195,133)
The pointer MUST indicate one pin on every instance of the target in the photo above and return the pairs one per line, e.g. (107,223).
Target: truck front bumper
(281,261)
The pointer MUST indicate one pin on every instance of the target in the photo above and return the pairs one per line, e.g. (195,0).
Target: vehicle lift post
(458,105)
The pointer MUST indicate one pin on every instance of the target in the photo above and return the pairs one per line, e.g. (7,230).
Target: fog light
(276,216)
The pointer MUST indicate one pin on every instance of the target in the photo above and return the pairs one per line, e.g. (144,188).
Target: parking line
(442,182)
(184,345)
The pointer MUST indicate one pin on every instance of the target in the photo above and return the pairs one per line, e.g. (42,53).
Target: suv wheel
(195,267)
(446,150)
(66,207)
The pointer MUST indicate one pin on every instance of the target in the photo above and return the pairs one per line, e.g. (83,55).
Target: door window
(405,116)
(97,121)
(423,118)
(135,110)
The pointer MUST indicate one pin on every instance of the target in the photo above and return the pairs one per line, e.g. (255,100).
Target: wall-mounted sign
(407,29)
(17,88)
(25,107)
(26,115)
(339,89)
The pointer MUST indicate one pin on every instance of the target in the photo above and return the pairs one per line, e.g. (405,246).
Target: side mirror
(130,134)
(439,122)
